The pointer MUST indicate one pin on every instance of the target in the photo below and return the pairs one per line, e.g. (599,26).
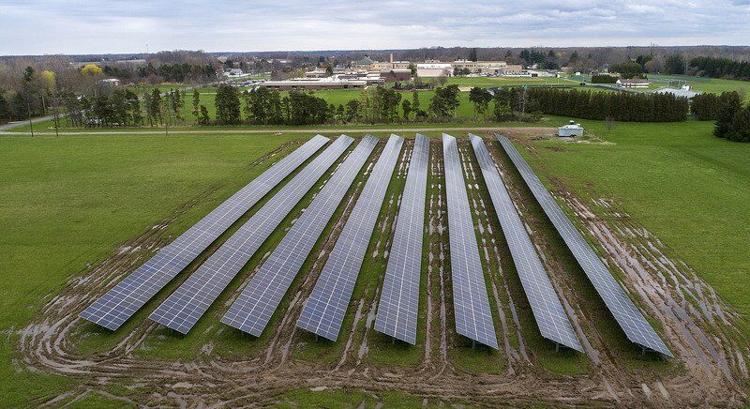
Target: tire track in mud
(712,374)
(684,304)
(436,339)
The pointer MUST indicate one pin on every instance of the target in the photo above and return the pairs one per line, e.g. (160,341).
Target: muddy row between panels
(231,367)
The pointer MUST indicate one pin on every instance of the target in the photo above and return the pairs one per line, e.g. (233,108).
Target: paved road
(16,124)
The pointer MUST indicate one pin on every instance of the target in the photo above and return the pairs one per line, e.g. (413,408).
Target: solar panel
(471,305)
(116,306)
(184,307)
(260,298)
(399,299)
(548,311)
(627,315)
(324,311)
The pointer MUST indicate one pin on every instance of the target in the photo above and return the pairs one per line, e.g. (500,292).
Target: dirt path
(280,131)
(710,368)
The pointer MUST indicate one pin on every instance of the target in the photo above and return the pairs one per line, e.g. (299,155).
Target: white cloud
(53,26)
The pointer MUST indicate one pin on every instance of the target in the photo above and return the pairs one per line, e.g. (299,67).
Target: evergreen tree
(196,104)
(674,64)
(352,110)
(227,105)
(154,109)
(340,113)
(480,98)
(445,101)
(4,109)
(740,127)
(729,105)
(406,109)
(204,119)
(705,106)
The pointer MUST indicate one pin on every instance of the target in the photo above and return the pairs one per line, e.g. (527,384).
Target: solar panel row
(184,307)
(627,315)
(399,299)
(548,311)
(260,298)
(470,302)
(324,310)
(129,295)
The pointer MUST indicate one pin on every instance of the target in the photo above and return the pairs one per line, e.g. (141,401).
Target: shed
(570,130)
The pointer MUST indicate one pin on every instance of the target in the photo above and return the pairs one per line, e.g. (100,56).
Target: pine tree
(729,105)
(739,129)
(196,104)
(4,109)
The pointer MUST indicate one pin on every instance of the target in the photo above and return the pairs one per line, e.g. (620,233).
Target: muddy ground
(711,353)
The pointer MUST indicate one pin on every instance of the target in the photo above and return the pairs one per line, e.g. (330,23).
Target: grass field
(711,85)
(689,188)
(71,201)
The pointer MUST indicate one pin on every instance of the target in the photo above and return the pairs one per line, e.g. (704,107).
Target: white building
(633,83)
(572,129)
(314,83)
(682,92)
(431,70)
(485,67)
(110,82)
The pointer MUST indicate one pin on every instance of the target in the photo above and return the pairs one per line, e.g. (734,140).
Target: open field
(702,84)
(689,188)
(88,205)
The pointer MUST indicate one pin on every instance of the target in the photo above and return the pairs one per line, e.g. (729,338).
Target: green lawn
(689,188)
(702,84)
(71,201)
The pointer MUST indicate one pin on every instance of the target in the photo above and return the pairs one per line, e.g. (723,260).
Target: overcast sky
(75,27)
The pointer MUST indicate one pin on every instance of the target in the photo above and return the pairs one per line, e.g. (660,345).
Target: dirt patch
(710,368)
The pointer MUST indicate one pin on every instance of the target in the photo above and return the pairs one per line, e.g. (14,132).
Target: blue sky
(56,26)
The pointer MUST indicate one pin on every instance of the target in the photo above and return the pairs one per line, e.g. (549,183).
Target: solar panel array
(399,299)
(470,302)
(260,298)
(184,307)
(630,319)
(129,295)
(324,311)
(548,311)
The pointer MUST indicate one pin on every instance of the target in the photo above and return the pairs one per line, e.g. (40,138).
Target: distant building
(365,62)
(570,130)
(314,83)
(132,62)
(683,92)
(317,73)
(485,67)
(633,83)
(234,72)
(432,70)
(396,74)
(110,82)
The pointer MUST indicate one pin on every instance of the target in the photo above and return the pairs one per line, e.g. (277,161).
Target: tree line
(732,119)
(374,105)
(618,106)
(721,68)
(262,106)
